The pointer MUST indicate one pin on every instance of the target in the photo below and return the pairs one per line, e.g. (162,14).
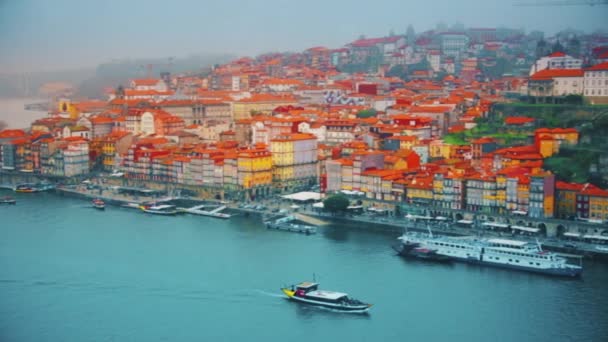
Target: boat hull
(411,254)
(342,308)
(559,272)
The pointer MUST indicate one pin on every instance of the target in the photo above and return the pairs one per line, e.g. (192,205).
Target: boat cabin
(306,287)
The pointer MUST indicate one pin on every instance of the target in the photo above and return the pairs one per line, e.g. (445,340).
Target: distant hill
(119,72)
(29,84)
(90,82)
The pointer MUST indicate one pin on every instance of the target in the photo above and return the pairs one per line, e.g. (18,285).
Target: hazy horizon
(38,35)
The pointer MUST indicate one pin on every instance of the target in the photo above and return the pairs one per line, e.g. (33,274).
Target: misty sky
(60,34)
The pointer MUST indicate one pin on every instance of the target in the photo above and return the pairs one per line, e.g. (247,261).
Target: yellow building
(254,168)
(294,159)
(420,190)
(439,149)
(598,204)
(547,146)
(66,106)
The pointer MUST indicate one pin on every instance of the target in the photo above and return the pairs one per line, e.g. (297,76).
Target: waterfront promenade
(364,221)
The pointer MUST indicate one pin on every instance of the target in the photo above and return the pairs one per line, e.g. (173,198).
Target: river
(72,273)
(12,112)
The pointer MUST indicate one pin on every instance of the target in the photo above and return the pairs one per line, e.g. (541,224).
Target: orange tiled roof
(548,74)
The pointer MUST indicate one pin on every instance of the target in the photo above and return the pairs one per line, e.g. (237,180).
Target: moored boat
(163,209)
(309,293)
(99,204)
(416,251)
(513,254)
(7,200)
(27,188)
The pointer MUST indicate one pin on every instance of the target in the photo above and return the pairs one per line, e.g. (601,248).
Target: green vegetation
(573,164)
(488,127)
(336,203)
(367,113)
(455,139)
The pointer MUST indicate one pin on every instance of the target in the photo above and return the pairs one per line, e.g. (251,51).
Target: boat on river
(309,293)
(98,204)
(163,209)
(513,254)
(199,210)
(416,251)
(290,224)
(7,200)
(31,188)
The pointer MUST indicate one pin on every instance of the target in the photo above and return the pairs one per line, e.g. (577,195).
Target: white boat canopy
(318,205)
(526,229)
(464,221)
(596,237)
(572,234)
(330,295)
(495,225)
(303,196)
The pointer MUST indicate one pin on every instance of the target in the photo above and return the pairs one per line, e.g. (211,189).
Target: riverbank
(363,221)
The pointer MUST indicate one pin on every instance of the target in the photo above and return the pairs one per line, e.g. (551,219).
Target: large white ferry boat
(520,255)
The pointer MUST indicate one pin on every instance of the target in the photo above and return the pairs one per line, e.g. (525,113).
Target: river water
(13,113)
(71,273)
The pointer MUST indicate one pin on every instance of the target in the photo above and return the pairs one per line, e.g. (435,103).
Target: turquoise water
(72,273)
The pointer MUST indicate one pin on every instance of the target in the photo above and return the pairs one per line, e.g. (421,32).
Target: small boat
(309,293)
(163,209)
(29,188)
(99,204)
(25,188)
(289,224)
(415,251)
(7,200)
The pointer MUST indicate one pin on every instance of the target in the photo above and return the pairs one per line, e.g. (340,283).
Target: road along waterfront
(72,273)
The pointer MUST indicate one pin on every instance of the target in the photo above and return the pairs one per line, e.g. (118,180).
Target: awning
(596,237)
(526,229)
(304,196)
(441,218)
(495,225)
(464,221)
(294,206)
(417,217)
(571,234)
(318,205)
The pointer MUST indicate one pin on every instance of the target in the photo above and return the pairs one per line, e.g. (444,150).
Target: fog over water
(13,113)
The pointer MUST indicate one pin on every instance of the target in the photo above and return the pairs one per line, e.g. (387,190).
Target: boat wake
(269,294)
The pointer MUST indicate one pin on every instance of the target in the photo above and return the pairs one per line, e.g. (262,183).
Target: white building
(556,60)
(149,84)
(596,82)
(434,59)
(453,44)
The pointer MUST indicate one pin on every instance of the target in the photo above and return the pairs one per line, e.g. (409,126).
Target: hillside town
(396,120)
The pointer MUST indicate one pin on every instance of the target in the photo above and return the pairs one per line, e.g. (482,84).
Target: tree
(397,71)
(410,34)
(557,47)
(120,92)
(366,113)
(336,203)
